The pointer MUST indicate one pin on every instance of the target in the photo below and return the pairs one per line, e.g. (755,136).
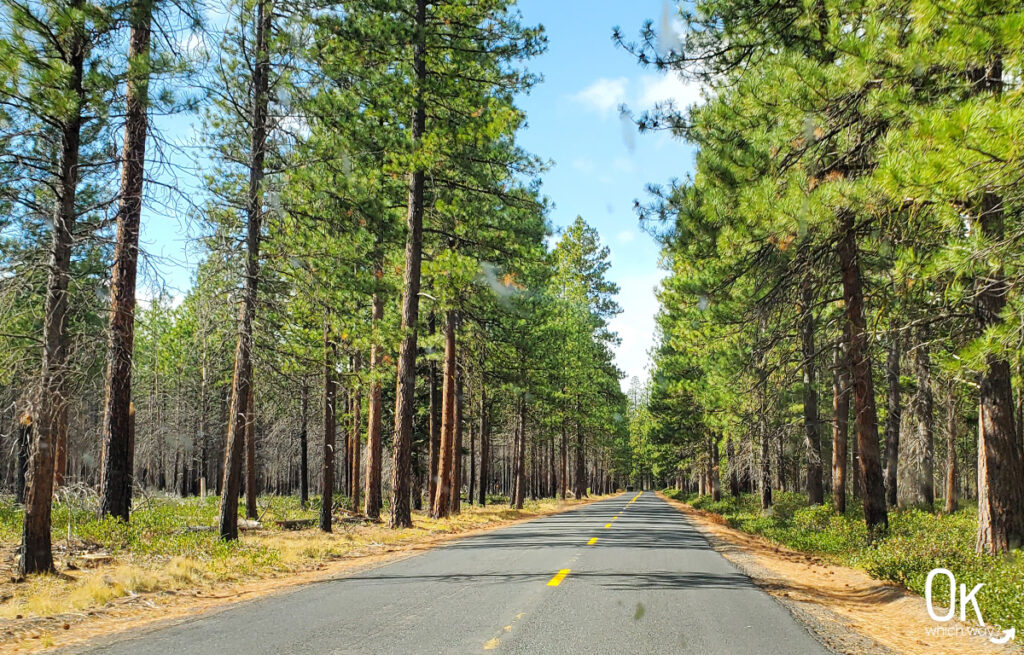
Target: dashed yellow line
(615,518)
(607,525)
(557,580)
(593,540)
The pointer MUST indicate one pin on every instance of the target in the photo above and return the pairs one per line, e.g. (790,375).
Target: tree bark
(242,378)
(951,500)
(251,511)
(762,429)
(374,450)
(580,482)
(356,440)
(446,460)
(519,487)
(485,441)
(924,410)
(330,427)
(840,427)
(36,553)
(434,426)
(893,418)
(304,446)
(563,477)
(24,444)
(116,478)
(406,383)
(875,513)
(455,502)
(812,438)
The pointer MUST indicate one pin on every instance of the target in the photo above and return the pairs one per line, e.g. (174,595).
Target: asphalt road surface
(625,575)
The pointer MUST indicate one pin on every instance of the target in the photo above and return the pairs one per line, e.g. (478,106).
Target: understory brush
(917,542)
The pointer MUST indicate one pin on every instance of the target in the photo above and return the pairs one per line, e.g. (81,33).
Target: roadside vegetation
(916,542)
(170,545)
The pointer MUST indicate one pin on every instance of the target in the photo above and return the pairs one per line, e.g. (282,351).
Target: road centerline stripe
(607,525)
(557,580)
(593,540)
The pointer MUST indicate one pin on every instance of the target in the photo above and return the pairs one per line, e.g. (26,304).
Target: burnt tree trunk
(866,416)
(242,378)
(401,516)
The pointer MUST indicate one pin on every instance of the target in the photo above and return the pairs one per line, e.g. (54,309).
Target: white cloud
(668,87)
(635,325)
(604,95)
(625,236)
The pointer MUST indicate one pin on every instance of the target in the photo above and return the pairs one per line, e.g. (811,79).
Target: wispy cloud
(661,88)
(603,95)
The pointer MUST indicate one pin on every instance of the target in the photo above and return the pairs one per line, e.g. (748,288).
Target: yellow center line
(557,580)
(593,540)
(607,525)
(615,518)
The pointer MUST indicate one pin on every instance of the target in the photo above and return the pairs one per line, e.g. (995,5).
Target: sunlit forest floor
(168,550)
(917,542)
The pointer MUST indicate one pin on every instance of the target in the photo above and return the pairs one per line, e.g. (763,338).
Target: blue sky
(600,164)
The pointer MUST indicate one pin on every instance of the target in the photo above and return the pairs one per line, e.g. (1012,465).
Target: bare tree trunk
(330,427)
(446,461)
(374,450)
(951,500)
(242,378)
(840,427)
(812,438)
(116,477)
(924,409)
(893,418)
(24,444)
(406,386)
(870,469)
(519,487)
(455,506)
(356,440)
(251,511)
(36,554)
(304,446)
(485,441)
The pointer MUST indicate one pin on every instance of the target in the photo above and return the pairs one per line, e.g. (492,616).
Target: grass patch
(916,543)
(158,550)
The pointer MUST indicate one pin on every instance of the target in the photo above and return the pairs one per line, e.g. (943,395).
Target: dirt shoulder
(154,609)
(848,610)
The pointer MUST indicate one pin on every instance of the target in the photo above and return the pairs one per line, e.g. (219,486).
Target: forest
(840,321)
(380,313)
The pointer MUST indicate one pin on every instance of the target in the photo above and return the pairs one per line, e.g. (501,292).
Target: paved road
(649,584)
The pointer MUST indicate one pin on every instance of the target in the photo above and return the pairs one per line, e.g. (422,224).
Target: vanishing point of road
(625,575)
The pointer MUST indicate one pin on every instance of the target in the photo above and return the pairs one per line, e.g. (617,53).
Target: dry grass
(264,553)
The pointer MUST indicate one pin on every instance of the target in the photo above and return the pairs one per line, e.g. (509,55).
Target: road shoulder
(844,608)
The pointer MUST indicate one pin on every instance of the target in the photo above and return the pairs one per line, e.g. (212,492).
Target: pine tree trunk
(893,418)
(485,441)
(304,447)
(374,450)
(866,416)
(116,480)
(519,486)
(471,492)
(330,428)
(580,488)
(925,422)
(951,500)
(24,444)
(455,503)
(762,429)
(406,385)
(434,426)
(242,378)
(357,439)
(36,554)
(734,480)
(446,461)
(812,438)
(840,427)
(716,483)
(251,511)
